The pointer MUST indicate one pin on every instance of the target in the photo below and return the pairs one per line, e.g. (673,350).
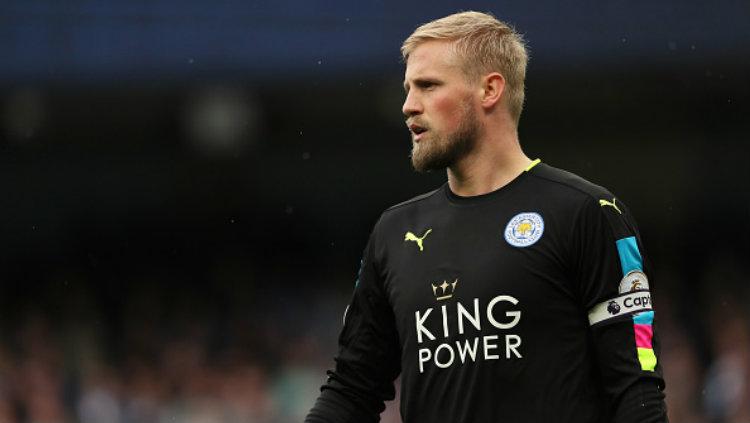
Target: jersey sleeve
(368,359)
(613,281)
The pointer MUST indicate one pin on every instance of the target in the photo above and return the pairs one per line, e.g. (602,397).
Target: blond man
(516,292)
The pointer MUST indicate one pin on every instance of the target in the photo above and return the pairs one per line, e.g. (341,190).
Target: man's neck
(492,165)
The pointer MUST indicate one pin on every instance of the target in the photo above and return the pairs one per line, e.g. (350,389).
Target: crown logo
(442,292)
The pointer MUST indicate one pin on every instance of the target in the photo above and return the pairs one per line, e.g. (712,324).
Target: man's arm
(612,277)
(368,358)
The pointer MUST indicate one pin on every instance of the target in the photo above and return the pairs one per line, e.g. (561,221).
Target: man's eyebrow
(421,81)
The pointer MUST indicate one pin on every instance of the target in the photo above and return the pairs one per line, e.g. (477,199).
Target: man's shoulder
(411,209)
(569,182)
(413,202)
(577,194)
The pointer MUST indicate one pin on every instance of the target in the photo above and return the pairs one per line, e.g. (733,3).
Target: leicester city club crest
(524,229)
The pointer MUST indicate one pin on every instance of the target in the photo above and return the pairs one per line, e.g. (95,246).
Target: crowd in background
(166,366)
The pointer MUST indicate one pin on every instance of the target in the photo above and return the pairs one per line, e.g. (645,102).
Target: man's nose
(412,106)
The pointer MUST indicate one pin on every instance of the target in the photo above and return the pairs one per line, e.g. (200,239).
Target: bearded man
(516,292)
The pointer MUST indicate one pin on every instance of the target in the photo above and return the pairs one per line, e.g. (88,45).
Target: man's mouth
(416,131)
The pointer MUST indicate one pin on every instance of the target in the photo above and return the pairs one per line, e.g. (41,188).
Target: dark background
(187,189)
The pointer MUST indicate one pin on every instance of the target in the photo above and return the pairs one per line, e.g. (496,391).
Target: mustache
(416,122)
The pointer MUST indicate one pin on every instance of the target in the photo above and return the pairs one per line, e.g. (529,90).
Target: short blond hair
(484,44)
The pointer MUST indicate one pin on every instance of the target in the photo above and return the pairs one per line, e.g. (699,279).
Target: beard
(440,151)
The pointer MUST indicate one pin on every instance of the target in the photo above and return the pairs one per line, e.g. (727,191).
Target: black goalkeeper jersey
(527,304)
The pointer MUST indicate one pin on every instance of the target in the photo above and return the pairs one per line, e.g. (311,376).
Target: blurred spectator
(727,383)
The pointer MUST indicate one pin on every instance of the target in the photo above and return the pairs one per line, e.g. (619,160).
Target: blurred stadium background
(187,188)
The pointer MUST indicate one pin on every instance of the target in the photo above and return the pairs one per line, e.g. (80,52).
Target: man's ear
(493,88)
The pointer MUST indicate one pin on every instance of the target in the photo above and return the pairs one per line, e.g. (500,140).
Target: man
(516,292)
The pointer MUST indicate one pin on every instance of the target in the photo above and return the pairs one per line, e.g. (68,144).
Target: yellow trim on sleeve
(647,358)
(534,163)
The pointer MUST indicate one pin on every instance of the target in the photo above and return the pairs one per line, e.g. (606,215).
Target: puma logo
(612,204)
(419,240)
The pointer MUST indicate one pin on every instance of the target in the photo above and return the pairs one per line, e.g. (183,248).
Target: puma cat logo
(419,240)
(612,204)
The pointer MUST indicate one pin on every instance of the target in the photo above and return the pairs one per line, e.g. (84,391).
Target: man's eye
(428,87)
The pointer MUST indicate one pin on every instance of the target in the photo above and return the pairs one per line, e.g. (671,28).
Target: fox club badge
(524,229)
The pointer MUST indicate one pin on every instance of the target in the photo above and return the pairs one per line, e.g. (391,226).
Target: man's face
(439,107)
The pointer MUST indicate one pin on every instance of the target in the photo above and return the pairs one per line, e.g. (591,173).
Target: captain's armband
(623,305)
